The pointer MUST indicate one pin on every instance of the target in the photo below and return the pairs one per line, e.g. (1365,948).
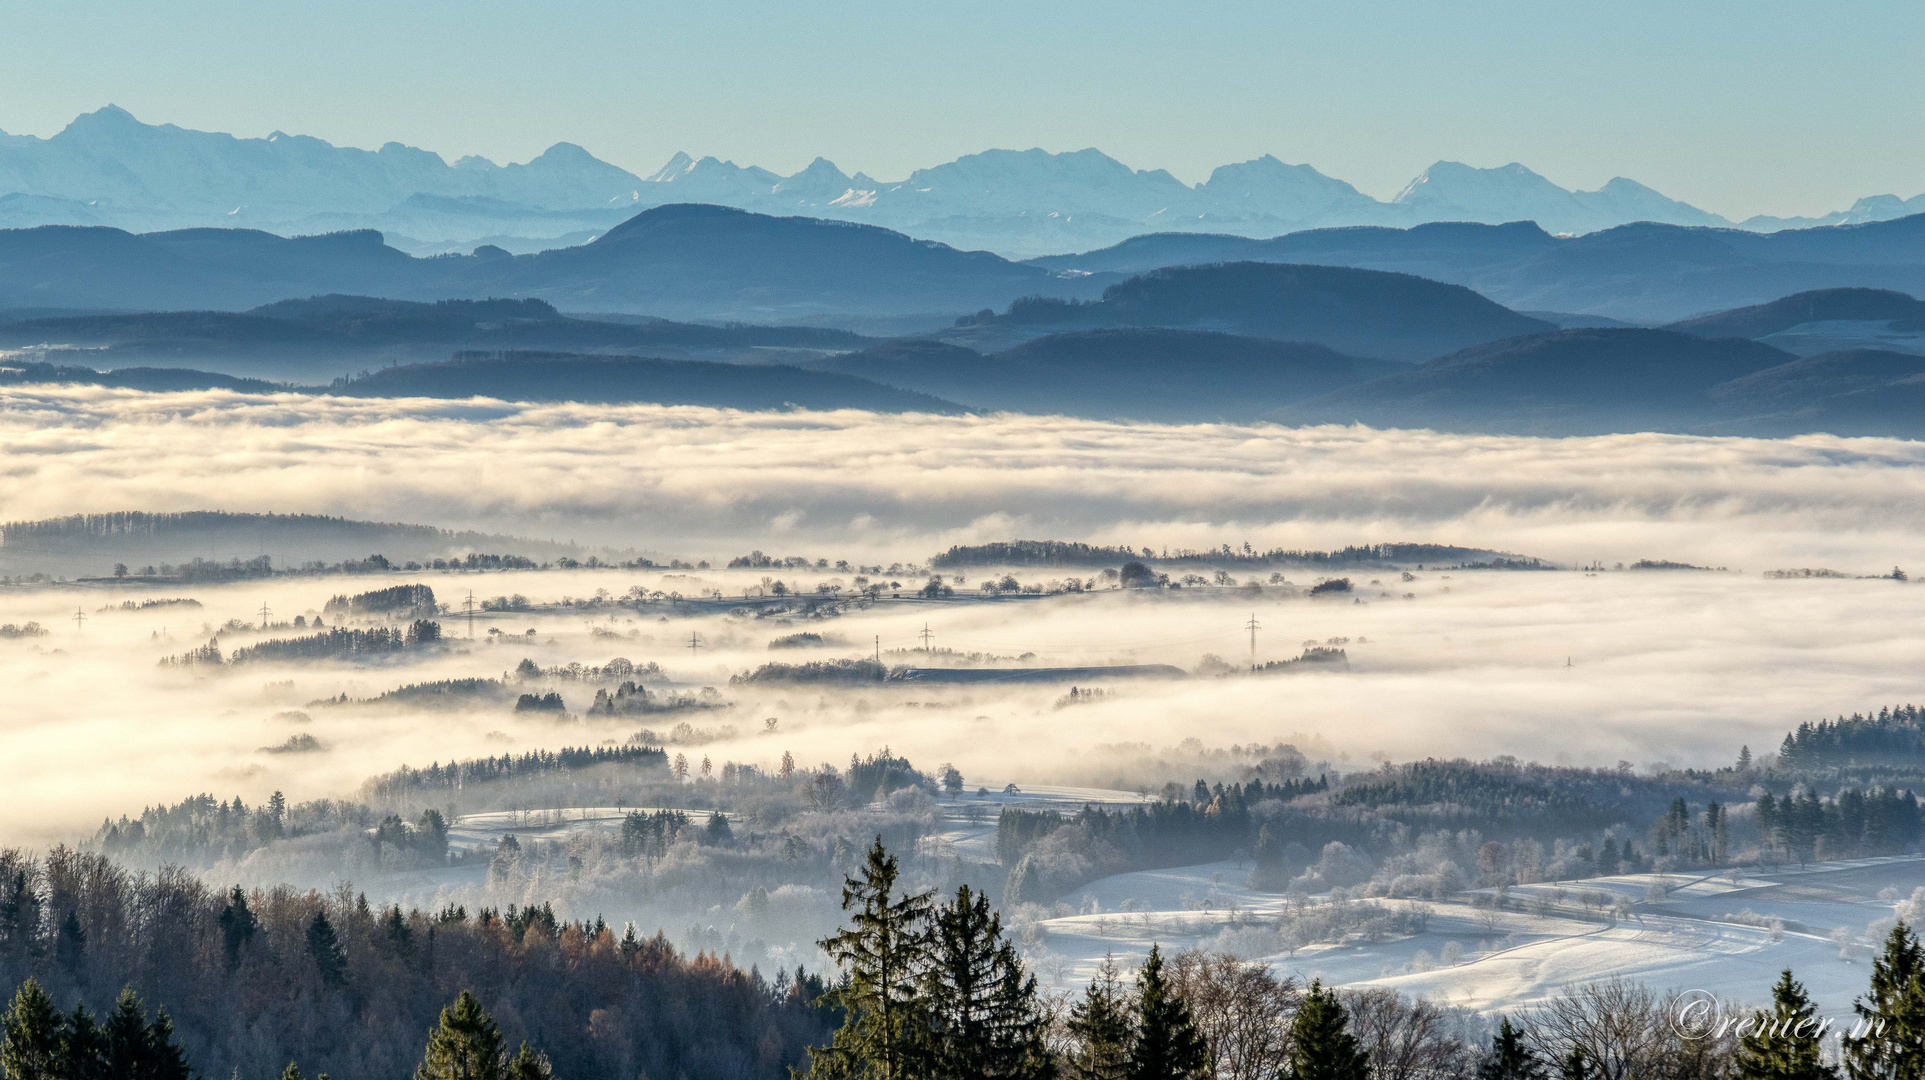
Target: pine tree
(1101,1027)
(1509,1058)
(34,1031)
(1269,859)
(70,946)
(165,1058)
(1321,1047)
(1575,1066)
(238,926)
(1890,1044)
(1167,1045)
(1784,1044)
(465,1046)
(330,959)
(127,1036)
(529,1064)
(292,1072)
(885,952)
(985,1021)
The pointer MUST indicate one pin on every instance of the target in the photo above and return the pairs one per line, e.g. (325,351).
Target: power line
(1253,626)
(80,620)
(925,636)
(694,643)
(471,613)
(264,614)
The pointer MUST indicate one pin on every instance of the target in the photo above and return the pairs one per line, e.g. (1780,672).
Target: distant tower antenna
(878,648)
(1253,626)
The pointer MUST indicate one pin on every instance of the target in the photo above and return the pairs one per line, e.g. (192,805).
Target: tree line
(254,980)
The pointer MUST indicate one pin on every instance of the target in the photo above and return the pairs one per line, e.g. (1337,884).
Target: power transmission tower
(470,603)
(878,648)
(264,614)
(80,619)
(1253,626)
(694,643)
(926,635)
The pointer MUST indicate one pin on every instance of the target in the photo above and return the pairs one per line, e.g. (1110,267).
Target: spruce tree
(1890,1044)
(1101,1028)
(1509,1058)
(884,952)
(330,959)
(1783,1044)
(1575,1066)
(83,1048)
(1167,1045)
(292,1072)
(985,1021)
(466,1045)
(126,1034)
(34,1031)
(1321,1046)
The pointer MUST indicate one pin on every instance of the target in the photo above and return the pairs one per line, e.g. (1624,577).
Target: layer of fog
(1679,667)
(708,484)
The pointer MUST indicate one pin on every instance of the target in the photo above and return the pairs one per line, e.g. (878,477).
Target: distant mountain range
(107,168)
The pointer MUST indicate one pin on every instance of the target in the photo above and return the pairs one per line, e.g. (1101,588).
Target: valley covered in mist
(1502,693)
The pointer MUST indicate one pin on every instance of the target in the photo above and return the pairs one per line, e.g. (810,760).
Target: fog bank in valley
(705,483)
(1674,666)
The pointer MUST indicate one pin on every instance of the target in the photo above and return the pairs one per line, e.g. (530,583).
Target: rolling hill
(1358,312)
(1641,272)
(535,376)
(325,336)
(1567,382)
(1134,374)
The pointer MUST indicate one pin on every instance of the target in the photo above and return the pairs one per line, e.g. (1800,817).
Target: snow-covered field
(1727,937)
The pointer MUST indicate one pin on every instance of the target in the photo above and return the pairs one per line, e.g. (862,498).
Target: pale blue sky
(1742,108)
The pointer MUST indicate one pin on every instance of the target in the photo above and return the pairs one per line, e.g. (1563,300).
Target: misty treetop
(333,643)
(254,980)
(406,599)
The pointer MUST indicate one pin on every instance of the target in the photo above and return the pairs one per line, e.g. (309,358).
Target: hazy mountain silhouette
(1135,373)
(1820,305)
(690,262)
(1358,312)
(324,336)
(1560,383)
(536,376)
(1642,272)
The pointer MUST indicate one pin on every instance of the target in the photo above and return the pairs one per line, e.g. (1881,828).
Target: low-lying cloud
(703,482)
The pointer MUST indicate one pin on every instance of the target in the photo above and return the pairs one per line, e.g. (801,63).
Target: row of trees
(1852,823)
(41,1043)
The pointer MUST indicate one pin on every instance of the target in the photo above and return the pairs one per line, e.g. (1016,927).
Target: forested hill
(1069,553)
